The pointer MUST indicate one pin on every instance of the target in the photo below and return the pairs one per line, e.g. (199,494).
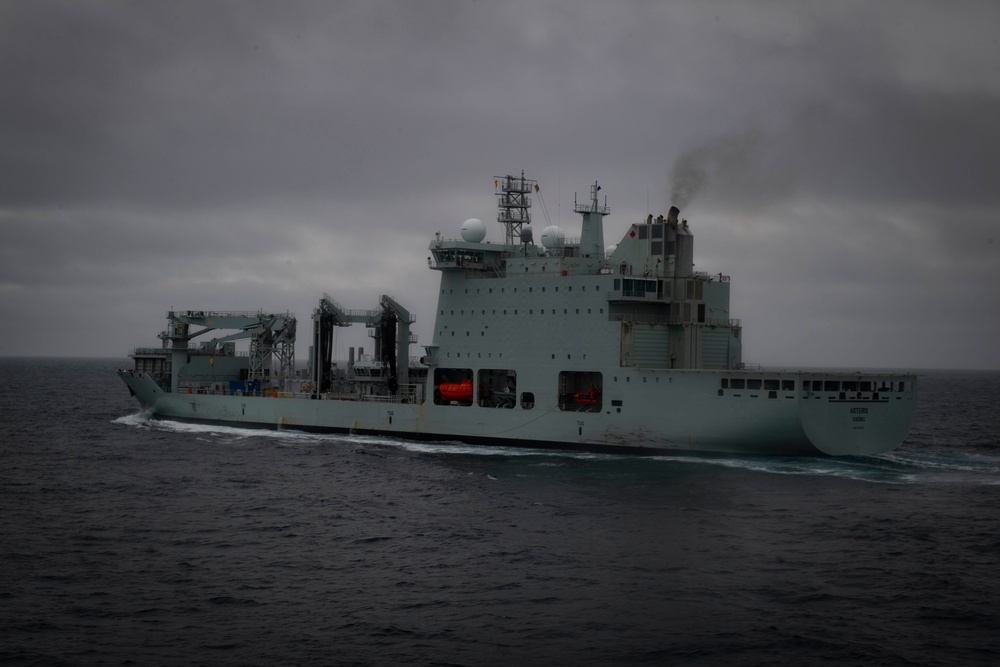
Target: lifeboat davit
(456,391)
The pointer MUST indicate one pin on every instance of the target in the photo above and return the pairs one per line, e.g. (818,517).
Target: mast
(592,231)
(513,204)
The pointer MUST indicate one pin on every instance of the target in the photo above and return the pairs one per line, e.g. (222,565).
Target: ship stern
(859,424)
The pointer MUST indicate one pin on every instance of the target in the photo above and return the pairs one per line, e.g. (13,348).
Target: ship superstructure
(561,343)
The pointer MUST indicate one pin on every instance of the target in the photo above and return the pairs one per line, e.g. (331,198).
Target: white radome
(553,237)
(473,230)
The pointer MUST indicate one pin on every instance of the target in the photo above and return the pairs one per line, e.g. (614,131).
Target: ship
(564,343)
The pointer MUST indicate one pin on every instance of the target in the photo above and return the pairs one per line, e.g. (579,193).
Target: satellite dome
(473,230)
(526,234)
(553,237)
(611,249)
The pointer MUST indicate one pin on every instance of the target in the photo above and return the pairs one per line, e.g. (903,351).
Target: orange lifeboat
(456,391)
(592,397)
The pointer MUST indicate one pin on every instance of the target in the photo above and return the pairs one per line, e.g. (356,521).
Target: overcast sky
(840,160)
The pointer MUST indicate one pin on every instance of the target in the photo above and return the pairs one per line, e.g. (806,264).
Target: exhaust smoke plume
(725,160)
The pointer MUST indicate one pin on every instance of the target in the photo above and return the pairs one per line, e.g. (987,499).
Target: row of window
(758,383)
(631,287)
(816,385)
(460,256)
(489,355)
(694,289)
(641,287)
(856,385)
(531,311)
(569,288)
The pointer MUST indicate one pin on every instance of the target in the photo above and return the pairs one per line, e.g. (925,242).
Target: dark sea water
(126,541)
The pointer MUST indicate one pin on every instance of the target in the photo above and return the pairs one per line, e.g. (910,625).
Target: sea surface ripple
(134,541)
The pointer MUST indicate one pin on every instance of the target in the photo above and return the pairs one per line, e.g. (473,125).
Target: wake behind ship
(562,344)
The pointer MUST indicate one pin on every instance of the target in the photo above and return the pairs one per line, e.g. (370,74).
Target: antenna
(513,204)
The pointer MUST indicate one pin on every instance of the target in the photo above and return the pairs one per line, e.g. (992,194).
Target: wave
(891,468)
(138,419)
(899,467)
(144,420)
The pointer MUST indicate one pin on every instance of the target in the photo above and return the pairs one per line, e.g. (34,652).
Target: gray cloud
(837,160)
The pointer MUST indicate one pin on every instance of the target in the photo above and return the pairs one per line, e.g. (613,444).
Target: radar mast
(513,204)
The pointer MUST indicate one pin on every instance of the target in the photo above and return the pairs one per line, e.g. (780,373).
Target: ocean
(127,541)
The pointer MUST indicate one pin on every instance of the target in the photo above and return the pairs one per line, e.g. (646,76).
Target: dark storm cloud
(245,154)
(114,97)
(186,104)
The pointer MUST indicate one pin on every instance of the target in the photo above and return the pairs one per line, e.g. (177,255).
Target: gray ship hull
(669,412)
